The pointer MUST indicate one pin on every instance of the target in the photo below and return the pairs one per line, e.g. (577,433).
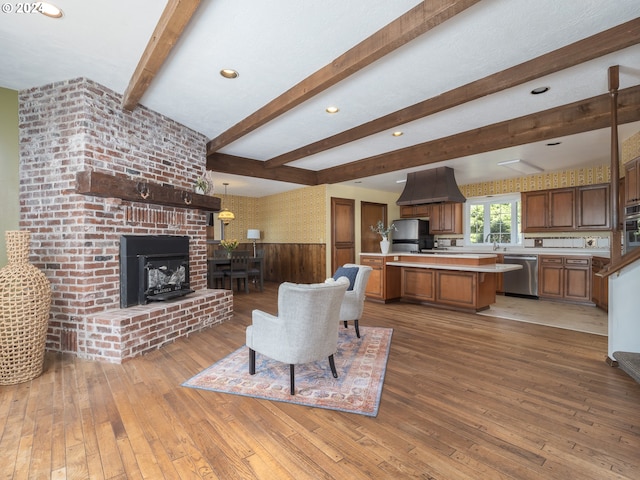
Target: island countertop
(490,268)
(479,262)
(460,281)
(423,255)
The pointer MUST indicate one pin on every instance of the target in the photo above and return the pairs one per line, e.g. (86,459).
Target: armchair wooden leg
(292,378)
(252,361)
(332,364)
(346,324)
(355,322)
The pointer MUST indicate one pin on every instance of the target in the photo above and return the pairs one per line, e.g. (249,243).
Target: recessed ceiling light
(539,90)
(229,73)
(333,109)
(49,10)
(553,144)
(397,134)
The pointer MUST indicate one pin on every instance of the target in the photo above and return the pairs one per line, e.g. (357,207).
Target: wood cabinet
(632,181)
(549,210)
(469,291)
(565,278)
(500,277)
(445,218)
(415,211)
(599,285)
(593,207)
(418,284)
(384,282)
(585,208)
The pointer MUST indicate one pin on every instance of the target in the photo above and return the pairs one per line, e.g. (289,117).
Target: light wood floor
(465,397)
(581,318)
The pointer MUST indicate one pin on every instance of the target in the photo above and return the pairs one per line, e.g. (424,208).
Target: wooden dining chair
(238,269)
(215,274)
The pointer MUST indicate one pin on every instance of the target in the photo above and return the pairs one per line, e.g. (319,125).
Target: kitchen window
(493,219)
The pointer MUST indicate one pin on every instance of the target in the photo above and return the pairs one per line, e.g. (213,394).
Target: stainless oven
(631,228)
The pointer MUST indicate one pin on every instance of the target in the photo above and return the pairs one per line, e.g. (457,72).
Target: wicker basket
(25,301)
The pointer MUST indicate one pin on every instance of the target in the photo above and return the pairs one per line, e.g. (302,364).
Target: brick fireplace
(78,125)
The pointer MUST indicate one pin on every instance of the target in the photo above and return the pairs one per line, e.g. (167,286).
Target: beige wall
(296,216)
(9,161)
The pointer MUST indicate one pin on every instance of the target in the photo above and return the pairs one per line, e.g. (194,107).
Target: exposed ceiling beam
(571,119)
(221,162)
(420,19)
(173,20)
(577,117)
(612,40)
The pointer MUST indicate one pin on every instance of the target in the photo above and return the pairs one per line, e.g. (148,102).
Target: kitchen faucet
(495,244)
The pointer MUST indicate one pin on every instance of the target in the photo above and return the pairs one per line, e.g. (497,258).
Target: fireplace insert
(153,268)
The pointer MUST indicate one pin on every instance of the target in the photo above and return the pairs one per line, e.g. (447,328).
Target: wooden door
(370,213)
(343,239)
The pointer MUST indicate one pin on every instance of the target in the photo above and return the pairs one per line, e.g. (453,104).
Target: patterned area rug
(361,364)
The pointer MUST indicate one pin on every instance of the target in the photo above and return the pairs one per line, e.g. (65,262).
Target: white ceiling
(275,45)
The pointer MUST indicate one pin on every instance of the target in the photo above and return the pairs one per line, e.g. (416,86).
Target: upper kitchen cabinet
(567,209)
(592,207)
(415,211)
(632,181)
(549,210)
(445,218)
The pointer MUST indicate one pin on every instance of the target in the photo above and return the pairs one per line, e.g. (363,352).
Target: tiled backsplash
(590,242)
(568,242)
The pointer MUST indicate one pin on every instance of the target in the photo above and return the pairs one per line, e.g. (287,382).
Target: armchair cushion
(350,272)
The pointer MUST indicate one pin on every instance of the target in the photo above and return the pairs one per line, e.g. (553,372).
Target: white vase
(384,246)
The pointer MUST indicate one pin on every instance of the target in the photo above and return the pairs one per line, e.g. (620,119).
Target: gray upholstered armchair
(353,303)
(304,329)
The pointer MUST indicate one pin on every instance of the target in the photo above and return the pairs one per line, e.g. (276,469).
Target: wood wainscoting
(294,262)
(289,262)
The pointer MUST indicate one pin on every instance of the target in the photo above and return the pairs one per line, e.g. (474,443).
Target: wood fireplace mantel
(101,184)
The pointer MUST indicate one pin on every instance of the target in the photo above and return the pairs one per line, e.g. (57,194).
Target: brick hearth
(77,125)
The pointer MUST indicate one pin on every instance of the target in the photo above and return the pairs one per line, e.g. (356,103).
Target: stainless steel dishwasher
(524,282)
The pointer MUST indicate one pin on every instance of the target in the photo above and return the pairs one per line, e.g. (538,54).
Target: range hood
(437,185)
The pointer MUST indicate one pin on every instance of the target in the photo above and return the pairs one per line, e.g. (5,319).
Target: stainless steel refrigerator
(411,235)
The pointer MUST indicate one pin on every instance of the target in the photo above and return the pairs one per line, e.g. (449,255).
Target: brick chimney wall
(75,125)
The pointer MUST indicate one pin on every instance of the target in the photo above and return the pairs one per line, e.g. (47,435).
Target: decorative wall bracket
(101,184)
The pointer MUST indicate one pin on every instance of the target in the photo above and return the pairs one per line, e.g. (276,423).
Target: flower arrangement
(203,185)
(381,230)
(229,245)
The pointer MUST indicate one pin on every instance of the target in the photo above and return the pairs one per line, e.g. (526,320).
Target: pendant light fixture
(225,216)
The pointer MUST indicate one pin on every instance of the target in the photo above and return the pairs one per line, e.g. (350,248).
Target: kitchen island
(459,281)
